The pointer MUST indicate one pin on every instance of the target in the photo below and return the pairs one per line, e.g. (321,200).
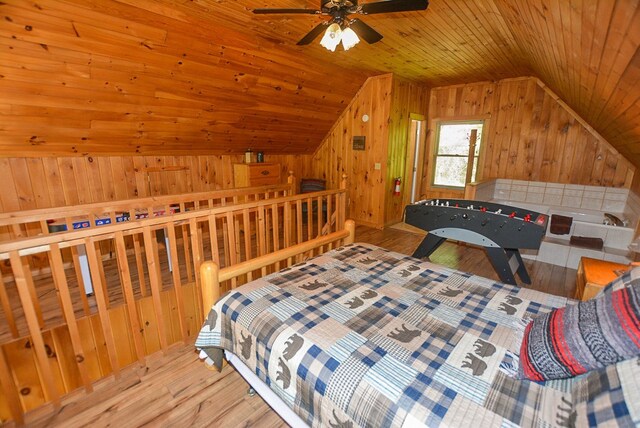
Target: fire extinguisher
(396,186)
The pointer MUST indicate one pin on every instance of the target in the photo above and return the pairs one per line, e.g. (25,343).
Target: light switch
(377,166)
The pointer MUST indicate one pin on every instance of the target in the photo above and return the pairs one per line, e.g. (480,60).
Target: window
(456,153)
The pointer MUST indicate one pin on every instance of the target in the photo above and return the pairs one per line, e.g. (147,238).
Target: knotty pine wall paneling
(30,183)
(388,102)
(587,51)
(336,156)
(531,135)
(406,98)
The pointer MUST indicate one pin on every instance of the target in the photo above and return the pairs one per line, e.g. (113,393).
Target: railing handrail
(41,243)
(125,205)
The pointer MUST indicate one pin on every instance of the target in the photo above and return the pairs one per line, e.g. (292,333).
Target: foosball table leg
(500,261)
(522,269)
(429,244)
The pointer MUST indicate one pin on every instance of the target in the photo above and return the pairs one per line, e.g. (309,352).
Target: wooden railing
(54,337)
(19,224)
(46,221)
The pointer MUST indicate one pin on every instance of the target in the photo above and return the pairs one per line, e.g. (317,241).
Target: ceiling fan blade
(393,6)
(311,35)
(270,11)
(366,32)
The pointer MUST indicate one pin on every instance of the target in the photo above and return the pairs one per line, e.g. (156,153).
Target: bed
(362,336)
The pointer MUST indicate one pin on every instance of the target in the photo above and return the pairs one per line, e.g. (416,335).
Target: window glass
(452,158)
(450,171)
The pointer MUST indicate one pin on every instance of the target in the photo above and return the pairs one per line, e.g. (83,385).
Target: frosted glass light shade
(349,38)
(331,37)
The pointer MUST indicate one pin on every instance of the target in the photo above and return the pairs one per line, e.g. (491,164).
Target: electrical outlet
(377,166)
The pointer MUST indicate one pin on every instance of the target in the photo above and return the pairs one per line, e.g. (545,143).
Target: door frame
(412,156)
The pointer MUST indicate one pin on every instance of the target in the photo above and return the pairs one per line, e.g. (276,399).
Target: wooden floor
(177,390)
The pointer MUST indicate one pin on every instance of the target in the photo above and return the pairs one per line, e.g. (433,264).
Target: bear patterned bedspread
(362,336)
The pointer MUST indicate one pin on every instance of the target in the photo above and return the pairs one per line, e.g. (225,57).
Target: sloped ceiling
(166,76)
(587,52)
(584,50)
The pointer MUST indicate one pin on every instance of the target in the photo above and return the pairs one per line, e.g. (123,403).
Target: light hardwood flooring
(175,389)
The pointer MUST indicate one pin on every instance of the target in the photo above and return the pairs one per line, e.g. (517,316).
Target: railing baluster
(156,283)
(57,270)
(44,227)
(187,252)
(225,238)
(262,234)
(320,215)
(330,213)
(69,223)
(342,211)
(80,280)
(247,234)
(231,236)
(32,290)
(99,292)
(196,245)
(213,239)
(236,229)
(103,277)
(137,249)
(6,307)
(177,284)
(299,237)
(17,230)
(287,228)
(132,310)
(44,366)
(275,224)
(309,218)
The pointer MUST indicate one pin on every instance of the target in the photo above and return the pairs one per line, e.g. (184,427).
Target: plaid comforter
(362,336)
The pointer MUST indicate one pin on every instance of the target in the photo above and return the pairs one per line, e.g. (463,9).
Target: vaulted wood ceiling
(207,76)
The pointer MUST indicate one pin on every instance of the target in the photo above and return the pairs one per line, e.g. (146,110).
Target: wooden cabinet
(594,274)
(256,174)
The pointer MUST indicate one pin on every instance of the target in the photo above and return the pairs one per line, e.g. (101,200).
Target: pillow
(577,338)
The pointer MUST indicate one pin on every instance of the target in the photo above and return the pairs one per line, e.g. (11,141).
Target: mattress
(362,336)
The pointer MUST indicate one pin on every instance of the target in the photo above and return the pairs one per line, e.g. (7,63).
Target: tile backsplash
(621,202)
(590,201)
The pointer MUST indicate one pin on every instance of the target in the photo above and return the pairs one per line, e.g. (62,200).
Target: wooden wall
(336,156)
(407,98)
(388,102)
(587,52)
(531,135)
(48,182)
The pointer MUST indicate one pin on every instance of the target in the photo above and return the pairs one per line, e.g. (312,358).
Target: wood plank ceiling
(208,76)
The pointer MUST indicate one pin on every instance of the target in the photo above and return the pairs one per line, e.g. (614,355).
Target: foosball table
(501,229)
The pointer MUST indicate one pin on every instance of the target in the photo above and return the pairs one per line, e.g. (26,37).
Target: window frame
(438,125)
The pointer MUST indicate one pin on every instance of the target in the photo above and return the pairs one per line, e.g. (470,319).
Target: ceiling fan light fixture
(349,38)
(332,37)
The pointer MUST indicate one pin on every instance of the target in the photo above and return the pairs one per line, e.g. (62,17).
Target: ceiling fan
(341,28)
